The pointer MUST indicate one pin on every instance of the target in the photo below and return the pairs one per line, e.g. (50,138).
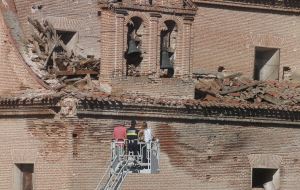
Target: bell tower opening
(168,48)
(133,55)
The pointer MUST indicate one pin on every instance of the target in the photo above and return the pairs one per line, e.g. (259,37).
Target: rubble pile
(57,62)
(239,89)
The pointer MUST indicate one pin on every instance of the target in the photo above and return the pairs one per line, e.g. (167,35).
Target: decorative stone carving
(68,107)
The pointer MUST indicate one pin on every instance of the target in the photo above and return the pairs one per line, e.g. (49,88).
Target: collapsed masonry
(60,66)
(53,55)
(234,88)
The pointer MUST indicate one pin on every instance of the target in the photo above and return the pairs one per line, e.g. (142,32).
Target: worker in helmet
(132,136)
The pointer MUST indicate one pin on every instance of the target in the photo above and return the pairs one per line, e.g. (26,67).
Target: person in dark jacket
(132,136)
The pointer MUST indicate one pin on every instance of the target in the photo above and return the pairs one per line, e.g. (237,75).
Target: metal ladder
(115,175)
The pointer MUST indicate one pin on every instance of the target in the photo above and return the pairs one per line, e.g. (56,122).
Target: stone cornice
(94,108)
(85,105)
(148,8)
(177,117)
(28,102)
(20,107)
(27,112)
(121,11)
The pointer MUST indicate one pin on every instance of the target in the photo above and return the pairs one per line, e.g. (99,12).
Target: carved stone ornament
(68,107)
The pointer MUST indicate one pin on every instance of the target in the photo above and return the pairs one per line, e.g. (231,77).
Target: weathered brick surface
(199,156)
(14,73)
(227,37)
(164,87)
(107,37)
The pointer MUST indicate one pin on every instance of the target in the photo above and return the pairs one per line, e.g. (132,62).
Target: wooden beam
(240,88)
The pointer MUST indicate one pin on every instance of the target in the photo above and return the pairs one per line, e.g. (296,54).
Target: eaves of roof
(126,106)
(28,112)
(187,110)
(248,6)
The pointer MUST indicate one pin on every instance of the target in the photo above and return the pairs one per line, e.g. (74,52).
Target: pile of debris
(60,63)
(238,89)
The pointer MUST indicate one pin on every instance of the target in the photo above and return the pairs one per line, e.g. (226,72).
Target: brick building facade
(200,148)
(64,137)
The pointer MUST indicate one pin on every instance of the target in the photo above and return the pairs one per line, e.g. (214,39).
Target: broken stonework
(68,107)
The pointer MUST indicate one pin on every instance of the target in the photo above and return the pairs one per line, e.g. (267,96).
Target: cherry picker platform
(124,162)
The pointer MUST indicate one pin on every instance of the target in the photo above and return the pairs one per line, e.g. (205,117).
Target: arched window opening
(133,54)
(168,48)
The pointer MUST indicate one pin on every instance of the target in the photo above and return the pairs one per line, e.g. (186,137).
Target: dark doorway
(24,176)
(266,66)
(261,176)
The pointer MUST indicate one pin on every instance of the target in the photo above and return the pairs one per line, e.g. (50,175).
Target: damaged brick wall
(74,153)
(14,75)
(227,37)
(79,16)
(103,32)
(44,144)
(69,154)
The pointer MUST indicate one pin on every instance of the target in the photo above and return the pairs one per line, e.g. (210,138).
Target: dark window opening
(260,176)
(75,144)
(65,36)
(286,73)
(24,176)
(266,66)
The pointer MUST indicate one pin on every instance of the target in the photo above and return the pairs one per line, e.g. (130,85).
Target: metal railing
(147,157)
(144,159)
